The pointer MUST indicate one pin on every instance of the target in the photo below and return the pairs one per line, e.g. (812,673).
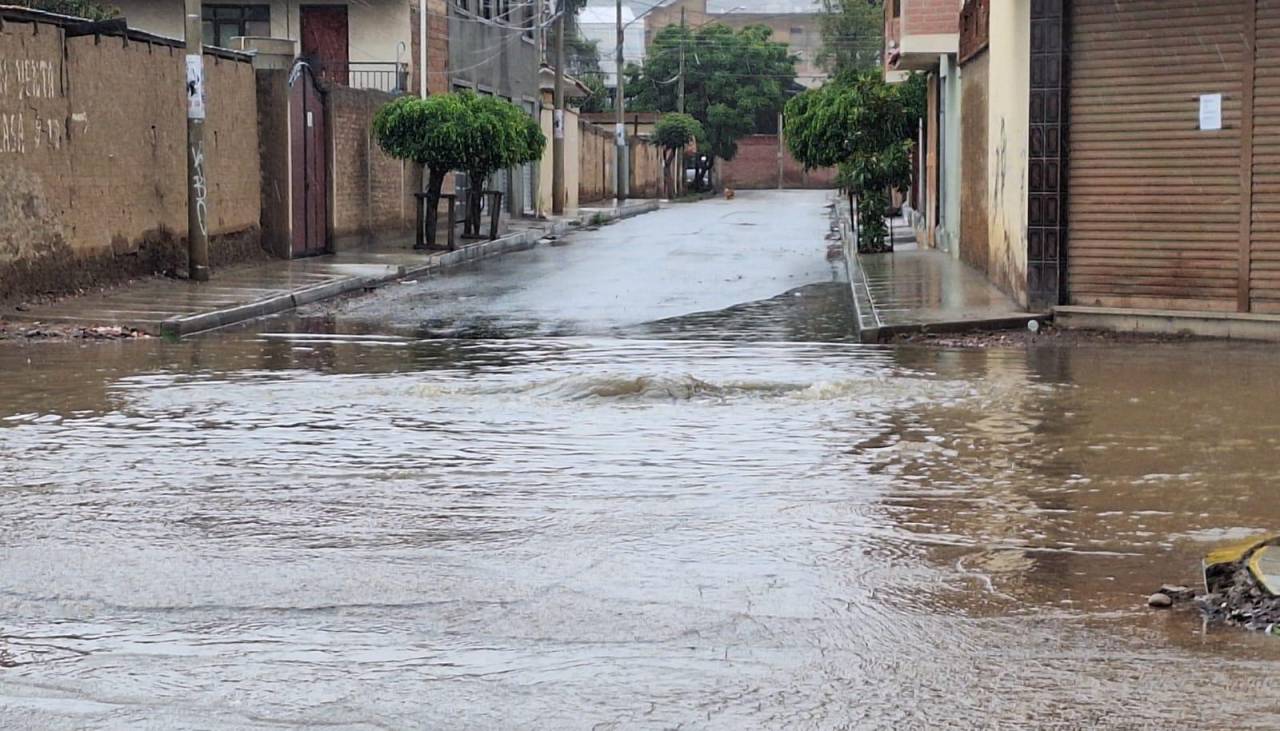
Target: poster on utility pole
(195,86)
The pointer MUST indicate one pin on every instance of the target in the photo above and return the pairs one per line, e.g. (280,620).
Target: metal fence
(388,76)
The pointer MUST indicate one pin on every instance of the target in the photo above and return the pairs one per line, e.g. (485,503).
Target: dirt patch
(1048,336)
(29,332)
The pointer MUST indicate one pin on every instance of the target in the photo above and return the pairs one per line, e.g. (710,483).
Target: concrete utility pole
(197,185)
(557,123)
(680,87)
(620,173)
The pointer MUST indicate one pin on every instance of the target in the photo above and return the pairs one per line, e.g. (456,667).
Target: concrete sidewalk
(921,290)
(177,307)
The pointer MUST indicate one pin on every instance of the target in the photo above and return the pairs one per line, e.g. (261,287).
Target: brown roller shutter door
(1264,268)
(1154,203)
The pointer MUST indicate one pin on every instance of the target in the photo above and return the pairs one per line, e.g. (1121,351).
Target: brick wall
(928,17)
(756,166)
(372,192)
(93,158)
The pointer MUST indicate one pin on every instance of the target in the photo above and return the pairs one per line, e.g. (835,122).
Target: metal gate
(309,181)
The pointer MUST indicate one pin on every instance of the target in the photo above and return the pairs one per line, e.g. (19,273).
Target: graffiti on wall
(23,81)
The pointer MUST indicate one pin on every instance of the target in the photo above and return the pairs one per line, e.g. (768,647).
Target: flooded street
(645,479)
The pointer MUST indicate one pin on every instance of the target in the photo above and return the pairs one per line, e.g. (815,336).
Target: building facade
(1116,155)
(363,45)
(493,50)
(922,36)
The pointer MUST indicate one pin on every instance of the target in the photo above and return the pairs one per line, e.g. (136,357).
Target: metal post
(780,151)
(197,185)
(422,48)
(557,124)
(680,87)
(620,175)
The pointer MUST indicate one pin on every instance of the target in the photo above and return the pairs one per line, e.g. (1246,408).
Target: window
(224,22)
(463,5)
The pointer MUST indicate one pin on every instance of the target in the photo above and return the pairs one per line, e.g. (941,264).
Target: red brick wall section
(372,192)
(438,46)
(927,17)
(756,167)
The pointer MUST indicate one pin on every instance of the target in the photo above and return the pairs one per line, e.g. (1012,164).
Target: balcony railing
(388,76)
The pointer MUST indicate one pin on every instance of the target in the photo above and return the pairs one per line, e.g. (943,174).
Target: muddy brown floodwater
(390,534)
(331,524)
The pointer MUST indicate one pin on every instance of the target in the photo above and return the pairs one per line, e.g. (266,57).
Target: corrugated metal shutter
(1154,203)
(1264,272)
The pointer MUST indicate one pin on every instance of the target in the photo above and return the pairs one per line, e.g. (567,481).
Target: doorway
(309,180)
(324,40)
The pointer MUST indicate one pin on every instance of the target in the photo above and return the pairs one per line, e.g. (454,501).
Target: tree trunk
(475,197)
(435,181)
(668,158)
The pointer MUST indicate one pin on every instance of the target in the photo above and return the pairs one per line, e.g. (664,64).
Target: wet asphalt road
(686,259)
(642,480)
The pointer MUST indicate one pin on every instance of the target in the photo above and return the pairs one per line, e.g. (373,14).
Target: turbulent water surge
(732,518)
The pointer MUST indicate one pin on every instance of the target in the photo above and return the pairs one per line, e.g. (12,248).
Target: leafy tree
(852,35)
(502,136)
(601,97)
(731,79)
(865,127)
(434,132)
(89,9)
(674,132)
(460,131)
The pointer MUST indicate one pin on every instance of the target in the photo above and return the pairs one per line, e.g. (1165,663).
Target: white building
(600,24)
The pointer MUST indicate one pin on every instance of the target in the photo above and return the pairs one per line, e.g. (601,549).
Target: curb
(275,304)
(864,308)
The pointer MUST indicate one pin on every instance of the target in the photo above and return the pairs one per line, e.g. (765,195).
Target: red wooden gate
(309,181)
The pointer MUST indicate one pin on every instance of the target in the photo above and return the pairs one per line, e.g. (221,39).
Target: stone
(1160,600)
(1177,592)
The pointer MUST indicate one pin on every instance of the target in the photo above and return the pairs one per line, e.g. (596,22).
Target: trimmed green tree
(864,127)
(434,132)
(446,132)
(502,136)
(674,132)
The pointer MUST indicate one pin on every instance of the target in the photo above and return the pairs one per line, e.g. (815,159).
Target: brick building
(922,36)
